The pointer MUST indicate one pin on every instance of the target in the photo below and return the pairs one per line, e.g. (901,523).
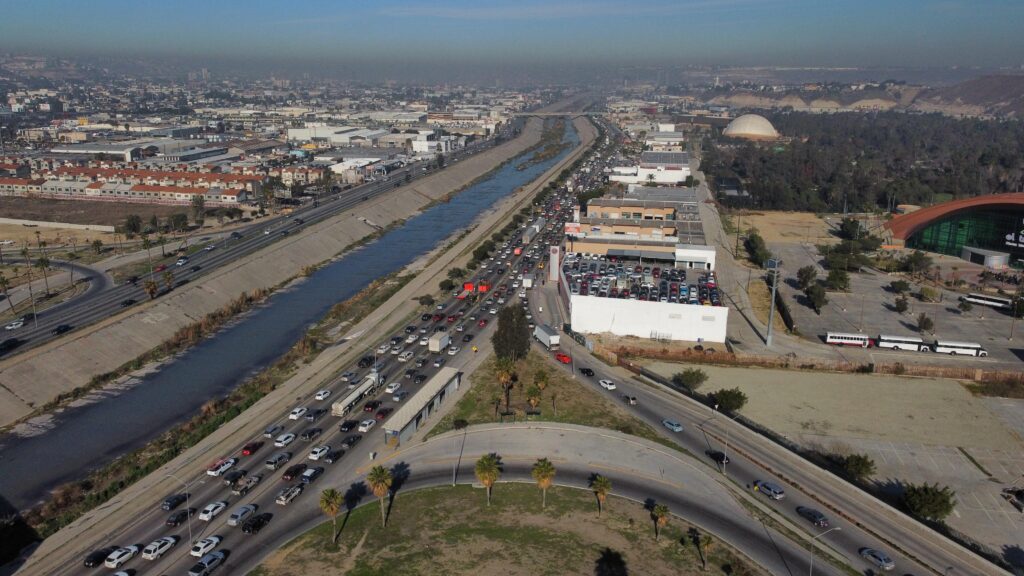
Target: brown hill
(999,95)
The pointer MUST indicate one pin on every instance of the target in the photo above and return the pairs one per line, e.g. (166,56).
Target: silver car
(878,558)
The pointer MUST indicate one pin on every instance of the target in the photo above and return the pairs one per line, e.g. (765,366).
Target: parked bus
(999,302)
(959,348)
(908,343)
(847,339)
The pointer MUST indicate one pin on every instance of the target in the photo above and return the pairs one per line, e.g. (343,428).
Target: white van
(769,489)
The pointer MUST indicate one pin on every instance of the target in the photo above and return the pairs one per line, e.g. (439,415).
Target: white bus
(959,348)
(908,343)
(847,339)
(999,302)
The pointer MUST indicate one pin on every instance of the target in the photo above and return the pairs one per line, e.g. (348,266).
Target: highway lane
(80,313)
(917,550)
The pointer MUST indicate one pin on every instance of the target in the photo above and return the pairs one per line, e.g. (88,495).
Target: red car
(437,317)
(452,319)
(251,448)
(371,406)
(482,322)
(563,358)
(160,268)
(383,413)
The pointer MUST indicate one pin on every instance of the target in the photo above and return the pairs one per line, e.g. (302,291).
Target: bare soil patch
(81,211)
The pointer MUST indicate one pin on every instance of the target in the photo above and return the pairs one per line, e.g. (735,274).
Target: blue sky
(730,32)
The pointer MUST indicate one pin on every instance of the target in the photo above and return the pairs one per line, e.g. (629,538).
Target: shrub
(690,378)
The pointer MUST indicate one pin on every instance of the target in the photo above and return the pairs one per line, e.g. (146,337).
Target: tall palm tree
(488,470)
(660,515)
(544,473)
(28,260)
(705,546)
(43,263)
(380,481)
(602,487)
(147,244)
(168,279)
(4,285)
(162,240)
(330,504)
(505,372)
(151,288)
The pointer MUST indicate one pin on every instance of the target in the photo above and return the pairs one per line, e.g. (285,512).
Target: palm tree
(25,255)
(161,240)
(533,397)
(544,473)
(601,487)
(4,285)
(43,263)
(488,470)
(147,244)
(380,480)
(540,380)
(705,546)
(168,279)
(505,372)
(660,515)
(330,503)
(97,246)
(151,288)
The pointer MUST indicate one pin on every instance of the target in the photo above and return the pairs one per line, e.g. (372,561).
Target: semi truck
(547,336)
(438,342)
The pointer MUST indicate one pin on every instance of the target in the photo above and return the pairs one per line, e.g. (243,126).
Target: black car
(256,523)
(347,426)
(421,362)
(419,379)
(586,371)
(467,337)
(312,474)
(96,557)
(173,501)
(236,235)
(196,268)
(311,434)
(293,472)
(813,516)
(718,456)
(9,344)
(178,518)
(426,317)
(365,362)
(127,302)
(234,476)
(314,415)
(61,329)
(132,280)
(351,441)
(410,329)
(410,372)
(333,456)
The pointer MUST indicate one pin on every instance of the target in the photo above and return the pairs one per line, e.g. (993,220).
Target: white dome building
(751,127)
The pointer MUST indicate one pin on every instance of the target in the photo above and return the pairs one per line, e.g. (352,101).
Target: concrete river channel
(86,437)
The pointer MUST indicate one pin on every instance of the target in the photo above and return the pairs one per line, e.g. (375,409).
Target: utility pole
(773,273)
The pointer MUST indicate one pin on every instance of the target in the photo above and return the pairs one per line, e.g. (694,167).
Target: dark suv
(256,523)
(173,501)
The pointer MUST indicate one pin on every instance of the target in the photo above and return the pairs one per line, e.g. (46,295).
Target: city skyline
(457,35)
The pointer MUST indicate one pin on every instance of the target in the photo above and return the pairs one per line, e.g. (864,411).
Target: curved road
(98,283)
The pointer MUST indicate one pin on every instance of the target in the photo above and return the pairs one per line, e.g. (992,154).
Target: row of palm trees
(488,471)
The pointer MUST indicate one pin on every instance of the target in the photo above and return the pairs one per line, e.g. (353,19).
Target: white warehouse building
(653,320)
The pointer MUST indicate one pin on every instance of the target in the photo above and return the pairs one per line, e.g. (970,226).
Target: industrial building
(419,407)
(669,168)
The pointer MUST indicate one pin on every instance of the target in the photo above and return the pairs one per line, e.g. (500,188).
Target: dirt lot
(792,227)
(19,235)
(452,531)
(891,408)
(80,211)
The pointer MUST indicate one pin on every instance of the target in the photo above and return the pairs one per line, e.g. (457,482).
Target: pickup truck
(284,497)
(242,488)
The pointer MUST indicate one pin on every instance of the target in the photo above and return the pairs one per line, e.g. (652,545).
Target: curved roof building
(751,127)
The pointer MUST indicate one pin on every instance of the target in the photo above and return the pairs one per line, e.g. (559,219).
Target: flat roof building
(418,408)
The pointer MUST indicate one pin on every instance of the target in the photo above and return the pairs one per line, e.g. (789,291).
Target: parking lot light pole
(811,571)
(188,515)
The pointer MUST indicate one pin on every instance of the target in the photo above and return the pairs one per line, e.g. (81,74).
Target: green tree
(133,224)
(426,300)
(838,279)
(900,286)
(151,288)
(816,296)
(43,263)
(97,246)
(147,244)
(198,206)
(380,479)
(456,273)
(806,276)
(850,229)
(706,542)
(488,471)
(446,285)
(178,221)
(691,378)
(543,473)
(757,250)
(928,501)
(660,515)
(5,284)
(965,306)
(602,487)
(330,504)
(511,340)
(917,262)
(533,396)
(924,323)
(857,466)
(730,400)
(902,304)
(168,279)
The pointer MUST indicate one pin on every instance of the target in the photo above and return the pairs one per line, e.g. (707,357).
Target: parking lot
(612,277)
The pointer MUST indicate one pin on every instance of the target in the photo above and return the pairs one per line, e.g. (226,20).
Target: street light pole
(188,513)
(810,572)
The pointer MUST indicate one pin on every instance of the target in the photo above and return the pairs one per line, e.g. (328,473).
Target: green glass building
(999,229)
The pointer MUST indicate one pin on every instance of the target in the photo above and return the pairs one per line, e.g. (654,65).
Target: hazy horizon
(512,39)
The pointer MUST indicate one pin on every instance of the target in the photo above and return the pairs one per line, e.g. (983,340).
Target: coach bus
(908,343)
(999,302)
(847,339)
(959,348)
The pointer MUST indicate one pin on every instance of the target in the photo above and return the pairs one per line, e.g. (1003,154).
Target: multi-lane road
(108,299)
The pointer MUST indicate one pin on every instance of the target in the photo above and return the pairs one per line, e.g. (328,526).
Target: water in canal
(86,437)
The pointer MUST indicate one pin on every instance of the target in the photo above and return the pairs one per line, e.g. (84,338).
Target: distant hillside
(987,95)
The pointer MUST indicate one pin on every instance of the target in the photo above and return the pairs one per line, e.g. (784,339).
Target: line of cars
(608,277)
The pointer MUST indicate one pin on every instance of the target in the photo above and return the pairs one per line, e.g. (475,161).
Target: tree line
(865,162)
